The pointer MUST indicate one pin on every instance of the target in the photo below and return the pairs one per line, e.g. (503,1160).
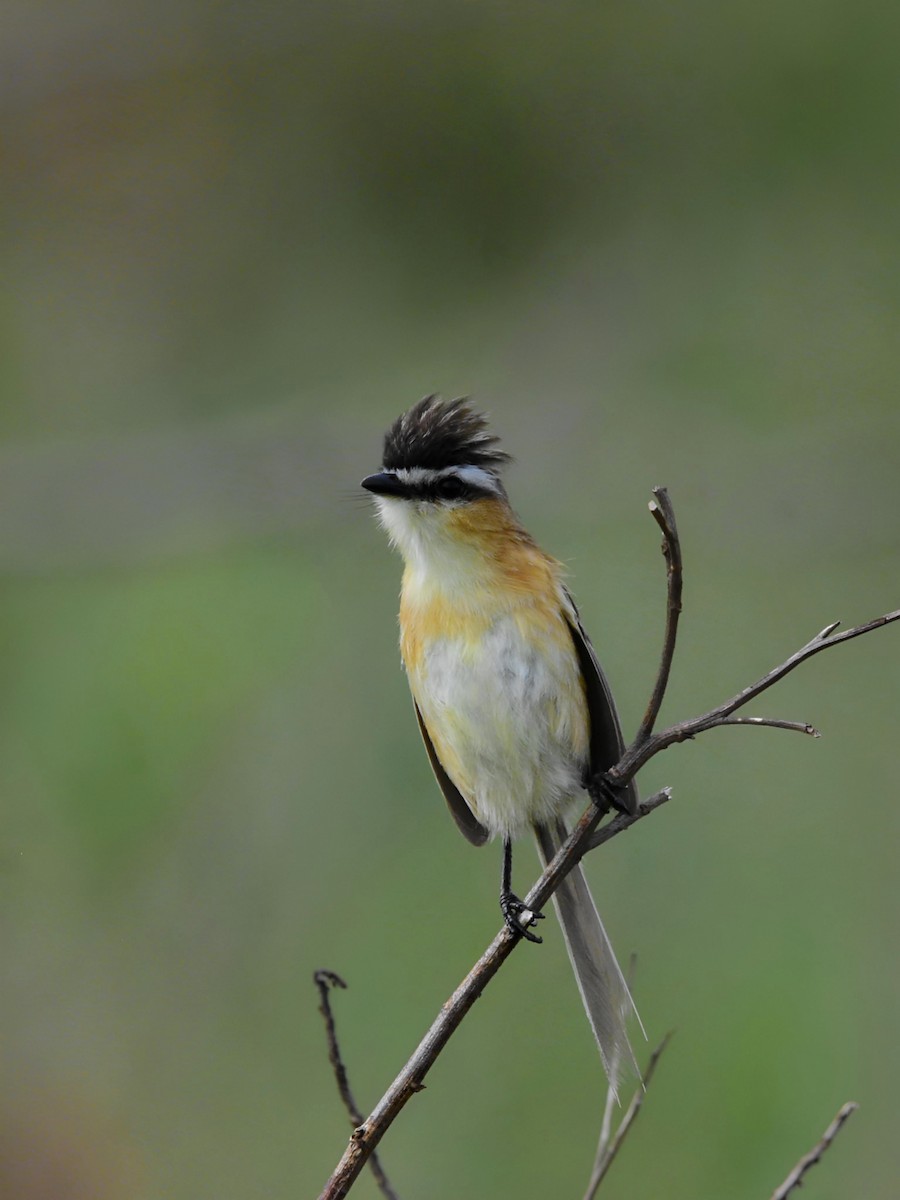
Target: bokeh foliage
(660,245)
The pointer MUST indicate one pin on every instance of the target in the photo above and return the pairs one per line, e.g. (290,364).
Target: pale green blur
(659,244)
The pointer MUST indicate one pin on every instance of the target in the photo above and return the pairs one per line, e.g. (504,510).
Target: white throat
(437,560)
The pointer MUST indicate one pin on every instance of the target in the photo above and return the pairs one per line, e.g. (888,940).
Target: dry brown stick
(646,744)
(795,1179)
(623,821)
(325,981)
(771,723)
(664,515)
(410,1080)
(639,754)
(609,1146)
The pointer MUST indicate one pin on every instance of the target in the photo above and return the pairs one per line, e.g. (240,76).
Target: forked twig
(646,743)
(584,837)
(795,1179)
(325,981)
(610,1143)
(638,754)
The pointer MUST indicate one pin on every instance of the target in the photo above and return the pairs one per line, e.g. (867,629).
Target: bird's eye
(450,488)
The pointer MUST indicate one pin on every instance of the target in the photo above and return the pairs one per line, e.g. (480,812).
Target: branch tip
(664,516)
(326,979)
(767,722)
(795,1179)
(610,1144)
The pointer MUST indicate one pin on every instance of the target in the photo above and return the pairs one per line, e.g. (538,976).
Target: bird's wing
(469,825)
(606,743)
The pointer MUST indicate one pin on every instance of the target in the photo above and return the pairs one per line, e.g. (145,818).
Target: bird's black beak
(384,483)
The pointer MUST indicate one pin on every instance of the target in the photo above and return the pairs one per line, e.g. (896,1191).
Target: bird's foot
(519,918)
(608,791)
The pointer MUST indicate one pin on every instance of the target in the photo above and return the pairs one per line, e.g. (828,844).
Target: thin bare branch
(609,1148)
(325,981)
(795,1179)
(583,837)
(796,726)
(664,516)
(411,1079)
(638,754)
(623,821)
(606,1125)
(612,1098)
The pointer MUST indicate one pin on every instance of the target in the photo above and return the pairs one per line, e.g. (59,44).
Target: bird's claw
(520,918)
(605,791)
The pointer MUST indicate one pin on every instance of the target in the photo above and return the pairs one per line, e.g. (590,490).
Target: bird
(512,705)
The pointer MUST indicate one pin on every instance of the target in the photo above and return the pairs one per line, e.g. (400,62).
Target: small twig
(664,516)
(612,1098)
(640,753)
(796,726)
(609,1148)
(325,980)
(646,743)
(795,1179)
(623,821)
(605,1127)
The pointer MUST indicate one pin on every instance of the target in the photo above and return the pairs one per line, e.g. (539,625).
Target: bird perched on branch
(513,707)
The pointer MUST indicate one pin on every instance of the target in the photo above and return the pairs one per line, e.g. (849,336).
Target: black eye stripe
(447,487)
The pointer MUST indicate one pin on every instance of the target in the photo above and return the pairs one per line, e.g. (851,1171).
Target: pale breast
(504,704)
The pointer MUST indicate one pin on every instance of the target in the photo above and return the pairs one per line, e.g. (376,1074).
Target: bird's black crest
(438,433)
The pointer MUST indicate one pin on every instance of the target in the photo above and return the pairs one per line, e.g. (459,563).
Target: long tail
(604,992)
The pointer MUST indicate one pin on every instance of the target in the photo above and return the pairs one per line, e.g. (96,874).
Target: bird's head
(439,486)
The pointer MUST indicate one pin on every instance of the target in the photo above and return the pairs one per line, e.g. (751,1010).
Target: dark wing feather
(606,743)
(469,825)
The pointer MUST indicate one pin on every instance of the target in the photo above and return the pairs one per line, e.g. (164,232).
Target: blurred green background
(660,245)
